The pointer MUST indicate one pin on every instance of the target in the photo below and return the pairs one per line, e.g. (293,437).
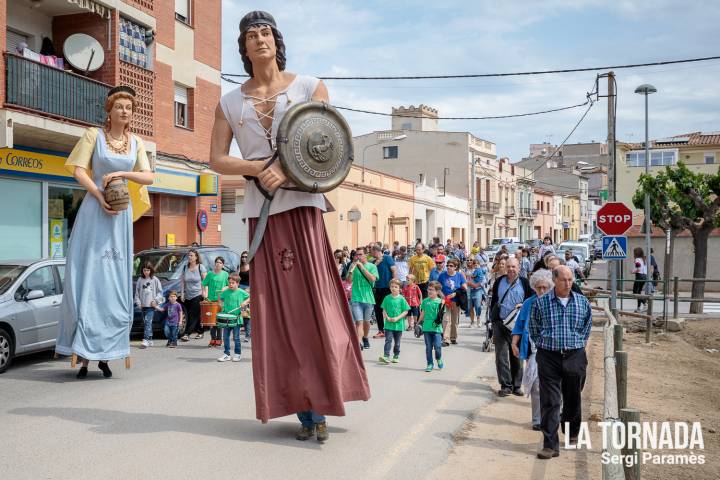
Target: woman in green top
(216,281)
(431,331)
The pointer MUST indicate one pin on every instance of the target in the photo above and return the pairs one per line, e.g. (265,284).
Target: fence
(34,86)
(674,296)
(615,409)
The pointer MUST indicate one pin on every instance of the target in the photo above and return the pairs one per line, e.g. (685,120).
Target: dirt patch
(674,379)
(703,334)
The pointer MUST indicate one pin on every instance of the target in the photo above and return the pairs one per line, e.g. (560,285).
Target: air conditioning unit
(353,215)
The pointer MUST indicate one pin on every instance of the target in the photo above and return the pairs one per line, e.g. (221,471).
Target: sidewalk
(498,442)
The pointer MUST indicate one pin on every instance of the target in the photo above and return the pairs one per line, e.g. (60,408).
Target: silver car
(30,298)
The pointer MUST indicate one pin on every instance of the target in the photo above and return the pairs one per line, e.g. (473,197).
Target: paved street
(181,414)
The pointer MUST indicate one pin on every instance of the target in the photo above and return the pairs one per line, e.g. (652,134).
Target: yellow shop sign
(32,163)
(51,166)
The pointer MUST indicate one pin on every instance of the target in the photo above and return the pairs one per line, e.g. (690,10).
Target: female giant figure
(97,308)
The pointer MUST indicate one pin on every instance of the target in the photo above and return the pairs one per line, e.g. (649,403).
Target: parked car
(504,240)
(492,250)
(582,260)
(597,247)
(169,263)
(534,243)
(30,299)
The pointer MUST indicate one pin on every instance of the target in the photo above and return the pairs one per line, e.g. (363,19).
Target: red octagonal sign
(614,218)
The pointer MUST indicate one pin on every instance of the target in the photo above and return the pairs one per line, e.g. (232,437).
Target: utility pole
(612,173)
(473,200)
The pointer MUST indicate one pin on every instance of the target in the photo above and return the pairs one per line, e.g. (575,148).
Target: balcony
(526,212)
(487,207)
(46,90)
(509,211)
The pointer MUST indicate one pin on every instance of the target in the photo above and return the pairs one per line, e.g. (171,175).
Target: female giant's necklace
(117,146)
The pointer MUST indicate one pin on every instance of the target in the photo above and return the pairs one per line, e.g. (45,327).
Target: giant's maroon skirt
(305,350)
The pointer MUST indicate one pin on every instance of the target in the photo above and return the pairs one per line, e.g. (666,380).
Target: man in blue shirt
(386,272)
(560,323)
(439,268)
(509,291)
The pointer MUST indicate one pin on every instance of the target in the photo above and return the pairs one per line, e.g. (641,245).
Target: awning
(101,10)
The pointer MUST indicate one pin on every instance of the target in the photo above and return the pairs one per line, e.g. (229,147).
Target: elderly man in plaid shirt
(560,324)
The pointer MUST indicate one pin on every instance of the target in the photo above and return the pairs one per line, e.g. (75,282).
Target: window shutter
(181,94)
(181,8)
(227,200)
(13,40)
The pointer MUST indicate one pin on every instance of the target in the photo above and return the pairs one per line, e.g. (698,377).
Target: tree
(684,200)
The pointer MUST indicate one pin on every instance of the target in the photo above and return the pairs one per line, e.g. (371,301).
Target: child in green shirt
(395,309)
(432,331)
(216,281)
(232,299)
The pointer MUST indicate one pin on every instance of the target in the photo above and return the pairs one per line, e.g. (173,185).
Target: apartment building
(168,51)
(416,149)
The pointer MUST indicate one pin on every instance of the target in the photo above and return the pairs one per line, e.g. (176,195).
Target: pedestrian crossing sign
(614,247)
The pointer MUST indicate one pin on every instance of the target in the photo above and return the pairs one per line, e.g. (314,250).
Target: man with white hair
(560,323)
(509,292)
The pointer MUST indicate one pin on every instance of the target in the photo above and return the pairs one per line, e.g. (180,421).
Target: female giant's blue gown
(97,308)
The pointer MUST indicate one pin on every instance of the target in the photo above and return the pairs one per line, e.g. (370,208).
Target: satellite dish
(83,52)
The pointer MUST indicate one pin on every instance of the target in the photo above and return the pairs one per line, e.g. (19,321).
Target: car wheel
(7,350)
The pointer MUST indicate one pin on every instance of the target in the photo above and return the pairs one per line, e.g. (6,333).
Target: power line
(507,74)
(487,117)
(491,117)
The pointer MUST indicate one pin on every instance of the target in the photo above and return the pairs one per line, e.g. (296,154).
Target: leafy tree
(684,200)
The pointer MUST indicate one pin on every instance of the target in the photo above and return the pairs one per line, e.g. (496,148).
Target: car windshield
(492,248)
(8,275)
(167,265)
(513,247)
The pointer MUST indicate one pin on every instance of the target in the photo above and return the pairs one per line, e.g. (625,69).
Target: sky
(372,38)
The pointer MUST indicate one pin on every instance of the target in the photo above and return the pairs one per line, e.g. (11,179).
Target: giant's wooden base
(73,361)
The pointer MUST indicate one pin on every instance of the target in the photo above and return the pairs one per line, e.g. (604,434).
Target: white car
(30,298)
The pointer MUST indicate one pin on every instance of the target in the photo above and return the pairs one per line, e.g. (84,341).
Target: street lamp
(394,139)
(647,89)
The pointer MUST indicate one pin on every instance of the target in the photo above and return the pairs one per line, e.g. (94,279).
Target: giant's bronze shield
(315,148)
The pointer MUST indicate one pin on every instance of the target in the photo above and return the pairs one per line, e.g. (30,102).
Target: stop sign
(614,218)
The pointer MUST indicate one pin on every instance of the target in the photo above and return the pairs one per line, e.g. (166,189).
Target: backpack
(441,313)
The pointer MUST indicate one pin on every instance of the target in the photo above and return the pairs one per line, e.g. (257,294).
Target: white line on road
(409,440)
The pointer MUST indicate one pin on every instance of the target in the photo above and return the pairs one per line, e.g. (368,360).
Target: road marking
(410,439)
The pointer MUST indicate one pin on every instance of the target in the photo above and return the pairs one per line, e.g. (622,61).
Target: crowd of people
(535,313)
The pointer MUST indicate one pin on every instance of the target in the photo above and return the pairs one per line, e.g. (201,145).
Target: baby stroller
(487,345)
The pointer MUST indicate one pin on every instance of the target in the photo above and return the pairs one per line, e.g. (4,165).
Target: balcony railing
(527,212)
(509,211)
(488,207)
(34,86)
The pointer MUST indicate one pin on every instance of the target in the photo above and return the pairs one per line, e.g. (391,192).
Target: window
(173,206)
(41,279)
(390,152)
(657,158)
(406,126)
(182,11)
(134,44)
(63,205)
(709,158)
(181,106)
(14,39)
(21,228)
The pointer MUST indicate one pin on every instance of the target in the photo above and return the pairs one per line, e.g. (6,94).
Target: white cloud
(409,37)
